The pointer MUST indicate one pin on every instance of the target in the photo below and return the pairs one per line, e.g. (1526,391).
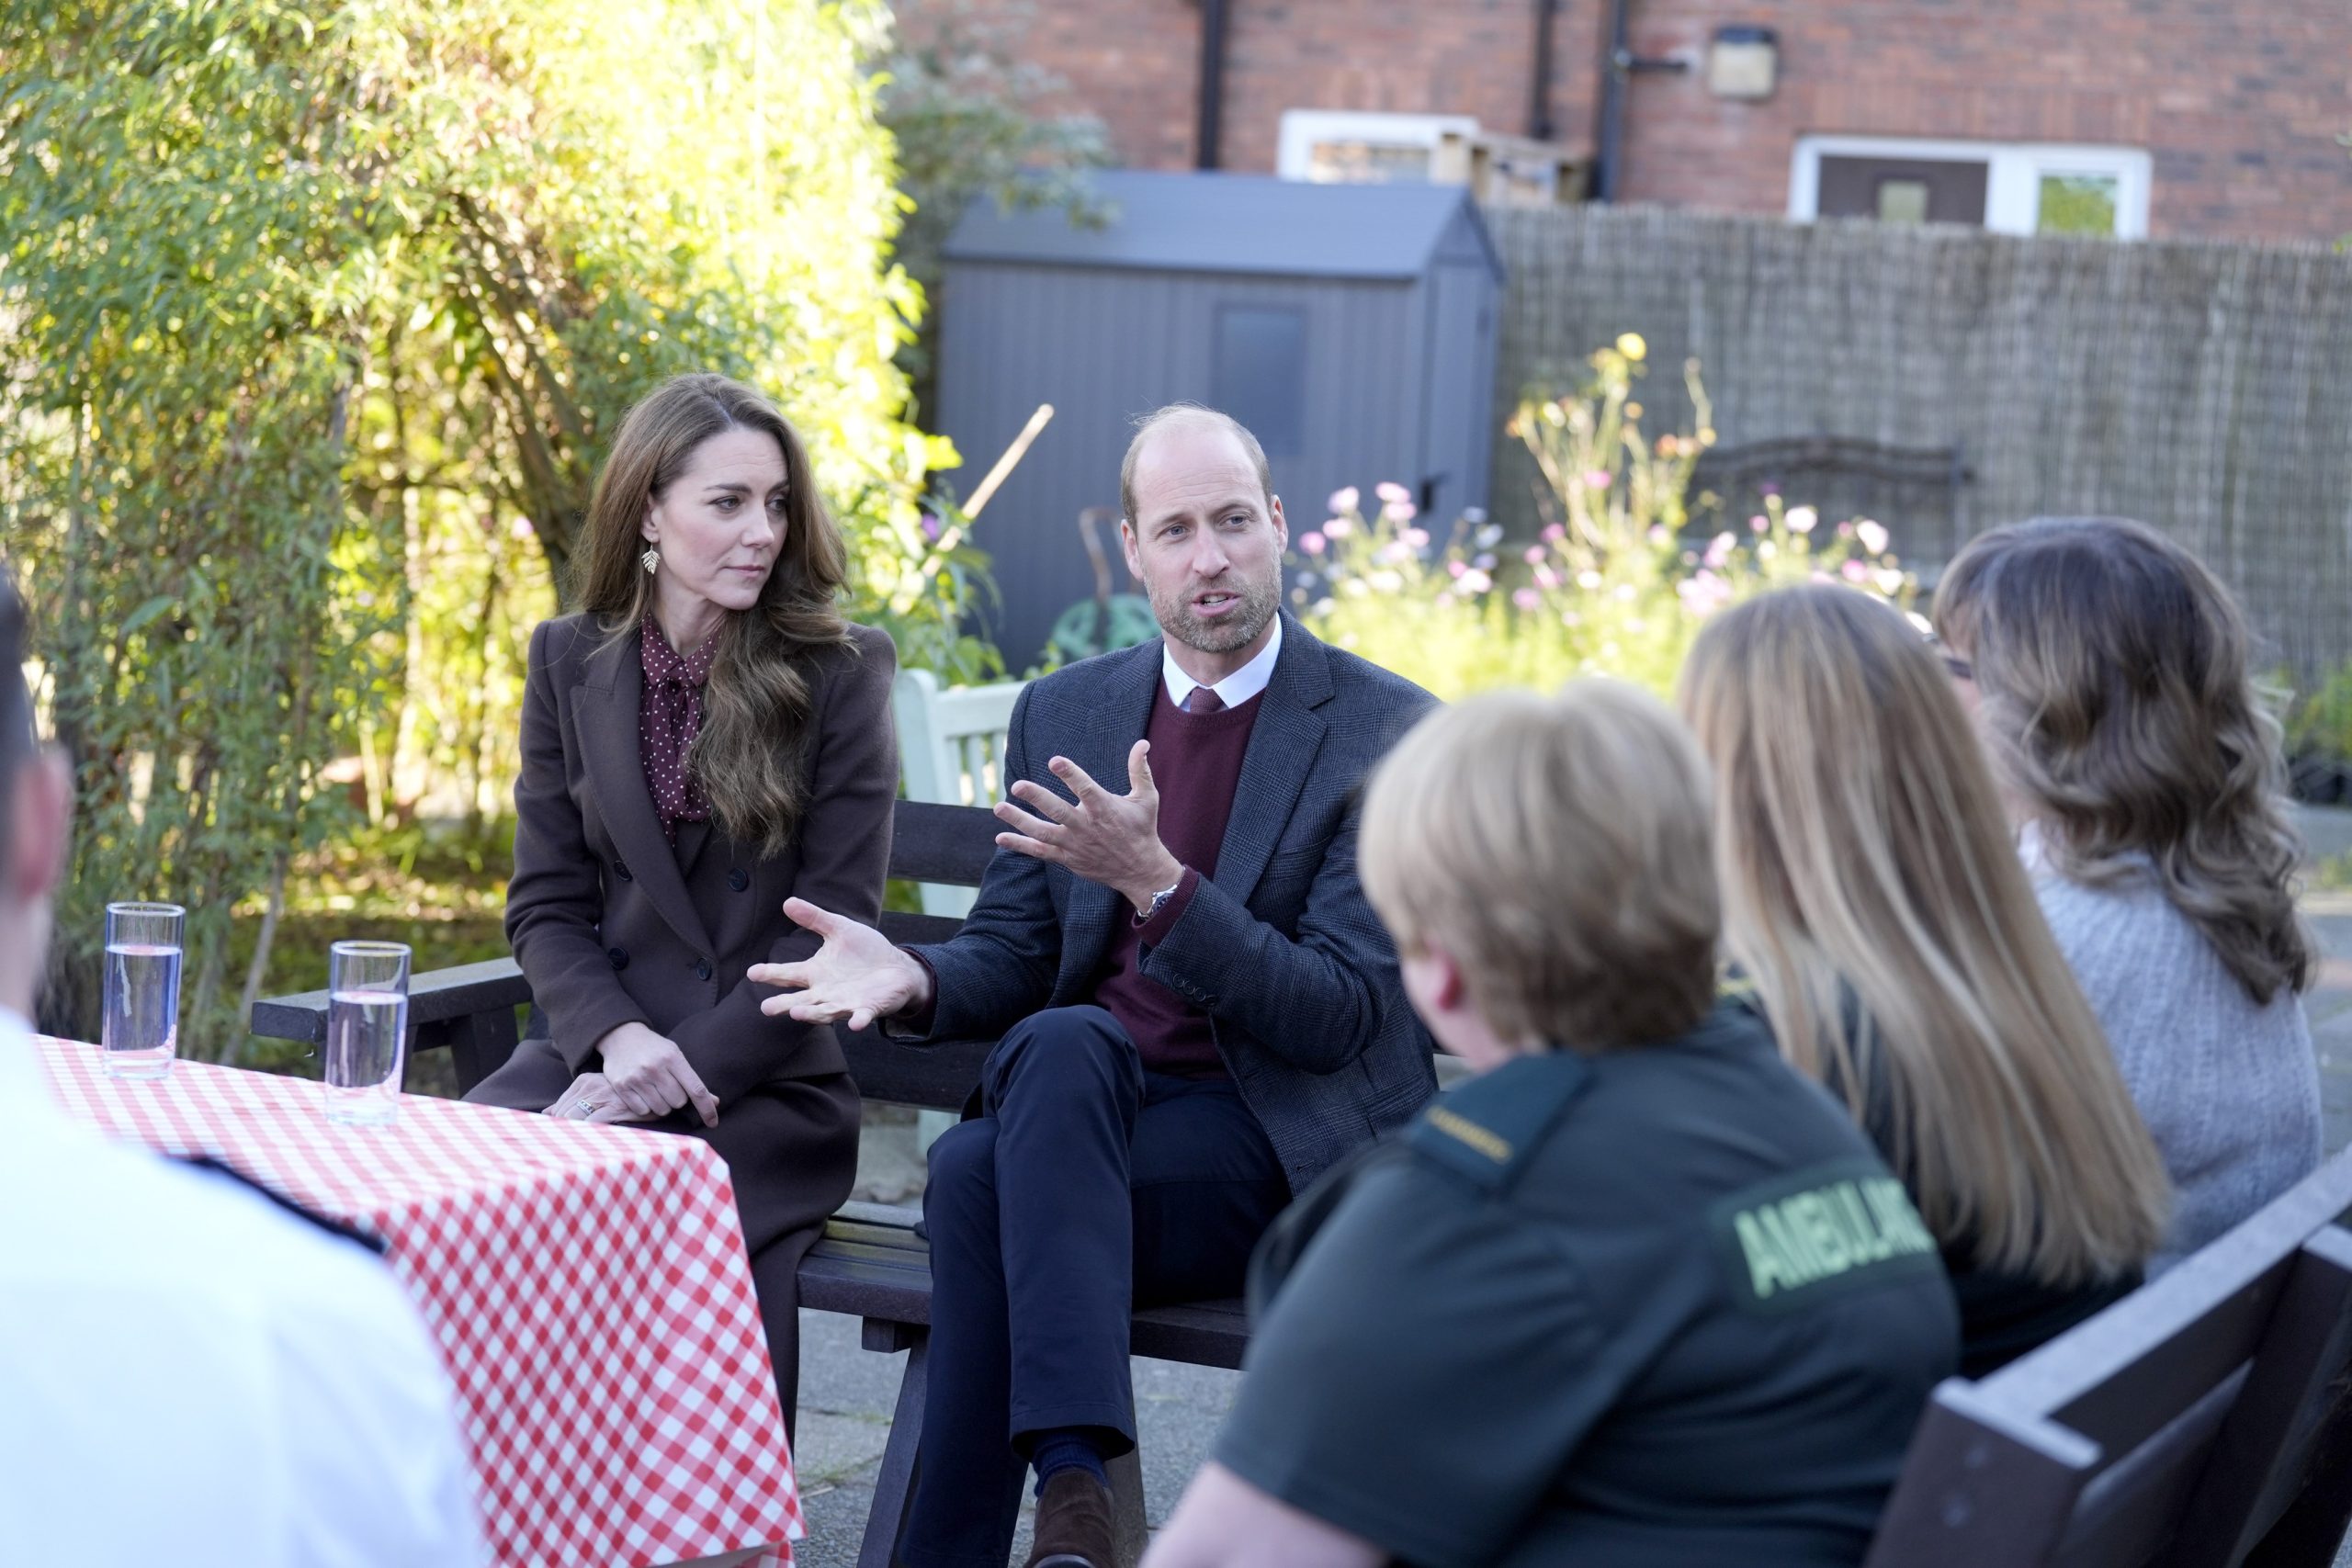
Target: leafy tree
(315,324)
(963,105)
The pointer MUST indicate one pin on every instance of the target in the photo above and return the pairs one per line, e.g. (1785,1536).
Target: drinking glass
(367,1031)
(142,1031)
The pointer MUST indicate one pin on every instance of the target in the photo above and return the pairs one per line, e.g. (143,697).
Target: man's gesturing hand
(1111,840)
(856,974)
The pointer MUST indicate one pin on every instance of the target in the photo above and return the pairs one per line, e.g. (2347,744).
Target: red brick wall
(1137,65)
(2238,103)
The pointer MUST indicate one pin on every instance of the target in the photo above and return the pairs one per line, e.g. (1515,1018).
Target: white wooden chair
(951,750)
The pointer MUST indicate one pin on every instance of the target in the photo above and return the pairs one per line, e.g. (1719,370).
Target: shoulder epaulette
(1486,1129)
(327,1223)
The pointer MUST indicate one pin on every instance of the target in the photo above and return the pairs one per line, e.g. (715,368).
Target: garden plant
(1614,585)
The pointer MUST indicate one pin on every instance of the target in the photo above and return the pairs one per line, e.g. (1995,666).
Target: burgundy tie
(1202,699)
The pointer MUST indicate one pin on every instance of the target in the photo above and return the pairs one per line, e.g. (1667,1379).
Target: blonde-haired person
(1636,1294)
(702,739)
(1878,914)
(2109,672)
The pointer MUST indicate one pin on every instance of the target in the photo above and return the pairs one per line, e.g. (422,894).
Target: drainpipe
(1618,65)
(1608,138)
(1539,93)
(1212,98)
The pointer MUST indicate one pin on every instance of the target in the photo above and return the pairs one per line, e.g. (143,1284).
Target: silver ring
(583,1109)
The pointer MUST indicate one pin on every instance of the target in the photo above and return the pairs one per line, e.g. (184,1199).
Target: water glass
(367,1031)
(142,1031)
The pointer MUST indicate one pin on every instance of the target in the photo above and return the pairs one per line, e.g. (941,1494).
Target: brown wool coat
(612,925)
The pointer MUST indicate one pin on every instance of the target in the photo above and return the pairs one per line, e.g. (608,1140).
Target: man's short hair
(17,745)
(1560,849)
(1199,417)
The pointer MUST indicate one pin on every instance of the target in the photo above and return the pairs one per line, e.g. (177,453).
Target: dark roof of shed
(1218,223)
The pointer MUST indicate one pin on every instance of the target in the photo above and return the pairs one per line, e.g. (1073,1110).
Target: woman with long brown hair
(1876,911)
(2108,668)
(703,739)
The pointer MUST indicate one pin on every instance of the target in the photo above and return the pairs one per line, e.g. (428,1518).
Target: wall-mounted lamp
(1742,62)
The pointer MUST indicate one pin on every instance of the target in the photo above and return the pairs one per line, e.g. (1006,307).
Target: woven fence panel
(2206,388)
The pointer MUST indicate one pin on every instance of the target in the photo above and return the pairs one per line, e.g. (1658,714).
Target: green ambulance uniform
(1651,1308)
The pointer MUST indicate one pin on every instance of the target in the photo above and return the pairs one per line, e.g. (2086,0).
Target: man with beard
(1199,1011)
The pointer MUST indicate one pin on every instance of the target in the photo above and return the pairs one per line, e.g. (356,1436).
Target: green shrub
(314,323)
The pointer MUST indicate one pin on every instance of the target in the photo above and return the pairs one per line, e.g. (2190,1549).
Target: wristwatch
(1161,899)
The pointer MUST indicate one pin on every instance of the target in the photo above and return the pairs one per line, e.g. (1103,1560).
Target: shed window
(1260,373)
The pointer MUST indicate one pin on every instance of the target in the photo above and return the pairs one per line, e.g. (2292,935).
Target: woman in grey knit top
(2108,670)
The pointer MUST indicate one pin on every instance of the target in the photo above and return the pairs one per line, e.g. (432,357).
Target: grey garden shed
(1352,327)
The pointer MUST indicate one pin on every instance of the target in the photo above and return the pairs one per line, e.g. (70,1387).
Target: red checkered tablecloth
(587,1285)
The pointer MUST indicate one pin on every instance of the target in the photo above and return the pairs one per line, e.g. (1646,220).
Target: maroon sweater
(1195,764)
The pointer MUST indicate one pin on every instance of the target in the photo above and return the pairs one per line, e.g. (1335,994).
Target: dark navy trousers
(1087,1187)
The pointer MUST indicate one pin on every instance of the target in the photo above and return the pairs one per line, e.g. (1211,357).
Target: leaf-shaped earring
(650,560)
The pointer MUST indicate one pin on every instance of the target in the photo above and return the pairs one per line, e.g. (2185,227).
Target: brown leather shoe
(1074,1524)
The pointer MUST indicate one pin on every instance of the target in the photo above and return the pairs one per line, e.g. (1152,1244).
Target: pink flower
(1854,571)
(932,527)
(1314,544)
(1417,538)
(1455,568)
(1527,599)
(1476,581)
(1719,549)
(1599,478)
(1338,527)
(1872,535)
(1345,500)
(521,529)
(1801,519)
(1759,522)
(1392,492)
(1535,554)
(1658,535)
(1556,532)
(1547,578)
(1400,511)
(1704,594)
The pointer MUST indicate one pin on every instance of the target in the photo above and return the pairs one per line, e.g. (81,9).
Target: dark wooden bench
(2204,1421)
(1922,491)
(871,1264)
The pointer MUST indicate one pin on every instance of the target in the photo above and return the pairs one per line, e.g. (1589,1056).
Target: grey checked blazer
(1279,948)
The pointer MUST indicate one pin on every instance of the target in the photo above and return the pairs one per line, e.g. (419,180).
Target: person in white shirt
(189,1374)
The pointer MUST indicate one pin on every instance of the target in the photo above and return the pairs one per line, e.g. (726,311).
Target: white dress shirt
(1235,689)
(190,1375)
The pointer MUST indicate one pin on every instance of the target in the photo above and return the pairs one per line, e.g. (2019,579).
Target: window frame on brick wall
(2013,171)
(1302,129)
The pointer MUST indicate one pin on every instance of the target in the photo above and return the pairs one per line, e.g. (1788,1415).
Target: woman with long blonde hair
(2108,668)
(1877,911)
(704,738)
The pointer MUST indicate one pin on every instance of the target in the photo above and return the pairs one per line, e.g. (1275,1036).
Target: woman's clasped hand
(646,1077)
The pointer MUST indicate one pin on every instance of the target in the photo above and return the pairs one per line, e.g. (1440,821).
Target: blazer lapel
(607,718)
(1283,744)
(1119,722)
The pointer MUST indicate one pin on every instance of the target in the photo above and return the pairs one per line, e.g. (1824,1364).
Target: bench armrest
(470,1008)
(437,996)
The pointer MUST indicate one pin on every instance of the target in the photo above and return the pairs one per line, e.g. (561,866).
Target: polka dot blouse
(668,721)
